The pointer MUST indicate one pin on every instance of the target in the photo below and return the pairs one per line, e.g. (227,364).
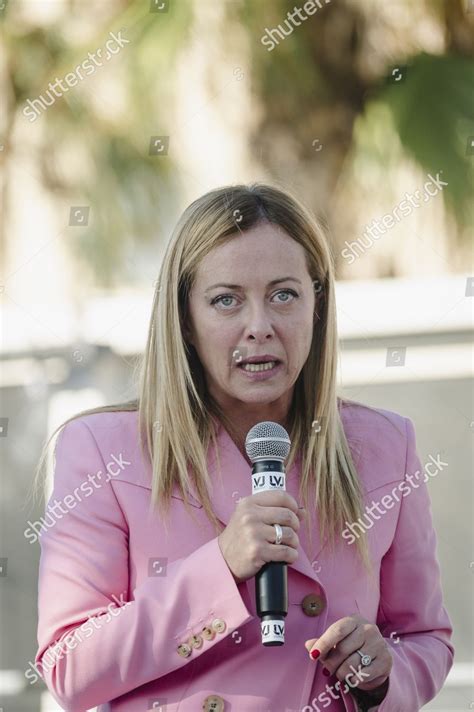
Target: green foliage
(307,86)
(432,108)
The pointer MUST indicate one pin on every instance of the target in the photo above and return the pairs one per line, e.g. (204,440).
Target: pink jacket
(120,599)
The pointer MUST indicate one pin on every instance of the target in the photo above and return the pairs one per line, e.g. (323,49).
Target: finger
(334,634)
(276,498)
(361,676)
(310,643)
(289,537)
(353,662)
(367,677)
(346,648)
(280,515)
(373,684)
(379,669)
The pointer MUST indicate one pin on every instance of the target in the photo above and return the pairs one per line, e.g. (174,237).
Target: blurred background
(117,114)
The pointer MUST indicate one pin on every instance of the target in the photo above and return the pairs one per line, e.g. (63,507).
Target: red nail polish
(326,672)
(315,654)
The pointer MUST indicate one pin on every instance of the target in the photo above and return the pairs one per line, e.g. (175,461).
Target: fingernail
(315,653)
(326,672)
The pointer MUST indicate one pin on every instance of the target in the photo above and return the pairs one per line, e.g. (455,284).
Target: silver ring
(278,534)
(365,659)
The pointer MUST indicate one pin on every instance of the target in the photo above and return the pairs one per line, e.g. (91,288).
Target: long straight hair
(176,414)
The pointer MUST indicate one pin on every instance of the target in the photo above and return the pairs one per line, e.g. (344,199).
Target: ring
(365,659)
(278,534)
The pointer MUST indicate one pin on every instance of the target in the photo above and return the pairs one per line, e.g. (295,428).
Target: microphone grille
(267,440)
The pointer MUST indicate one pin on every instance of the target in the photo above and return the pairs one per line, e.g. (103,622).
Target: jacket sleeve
(95,640)
(411,614)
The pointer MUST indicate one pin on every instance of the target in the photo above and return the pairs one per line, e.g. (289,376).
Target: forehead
(264,251)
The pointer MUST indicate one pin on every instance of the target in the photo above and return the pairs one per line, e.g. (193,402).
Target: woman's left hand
(338,652)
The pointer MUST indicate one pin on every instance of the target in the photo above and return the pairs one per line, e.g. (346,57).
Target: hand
(247,541)
(338,652)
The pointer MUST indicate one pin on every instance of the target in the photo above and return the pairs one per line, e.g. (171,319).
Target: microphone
(267,445)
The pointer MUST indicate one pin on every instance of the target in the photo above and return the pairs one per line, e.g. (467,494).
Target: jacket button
(207,633)
(213,703)
(184,650)
(195,641)
(218,625)
(313,604)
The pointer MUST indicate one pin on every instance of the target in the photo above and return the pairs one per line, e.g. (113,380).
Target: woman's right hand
(247,541)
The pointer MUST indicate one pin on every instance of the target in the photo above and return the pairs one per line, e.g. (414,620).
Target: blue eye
(217,300)
(287,291)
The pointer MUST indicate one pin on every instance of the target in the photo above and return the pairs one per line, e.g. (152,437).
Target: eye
(218,300)
(287,291)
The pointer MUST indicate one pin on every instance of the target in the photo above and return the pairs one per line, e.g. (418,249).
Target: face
(250,314)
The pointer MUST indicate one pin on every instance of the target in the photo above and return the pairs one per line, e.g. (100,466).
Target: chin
(259,398)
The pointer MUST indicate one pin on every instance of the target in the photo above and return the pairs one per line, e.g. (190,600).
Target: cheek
(299,334)
(209,333)
(298,346)
(217,344)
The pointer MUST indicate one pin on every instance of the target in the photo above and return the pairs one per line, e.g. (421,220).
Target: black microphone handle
(271,582)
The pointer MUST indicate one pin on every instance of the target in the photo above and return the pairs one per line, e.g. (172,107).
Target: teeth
(254,367)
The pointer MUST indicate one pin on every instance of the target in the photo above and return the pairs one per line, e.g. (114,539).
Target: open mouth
(258,367)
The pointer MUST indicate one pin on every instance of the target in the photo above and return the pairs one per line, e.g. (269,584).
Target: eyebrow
(238,286)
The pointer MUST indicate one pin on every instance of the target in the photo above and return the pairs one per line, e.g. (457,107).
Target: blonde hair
(175,413)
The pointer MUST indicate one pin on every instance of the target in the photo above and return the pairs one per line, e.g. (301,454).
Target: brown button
(218,625)
(195,641)
(184,650)
(213,703)
(313,604)
(207,633)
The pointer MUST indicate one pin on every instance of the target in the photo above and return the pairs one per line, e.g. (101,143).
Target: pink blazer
(120,600)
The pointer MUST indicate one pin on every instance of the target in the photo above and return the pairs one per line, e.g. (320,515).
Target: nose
(259,326)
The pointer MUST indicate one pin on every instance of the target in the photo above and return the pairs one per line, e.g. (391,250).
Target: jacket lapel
(235,483)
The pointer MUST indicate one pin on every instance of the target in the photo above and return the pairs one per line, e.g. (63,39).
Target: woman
(146,583)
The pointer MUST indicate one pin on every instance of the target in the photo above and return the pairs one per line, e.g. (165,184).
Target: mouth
(264,368)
